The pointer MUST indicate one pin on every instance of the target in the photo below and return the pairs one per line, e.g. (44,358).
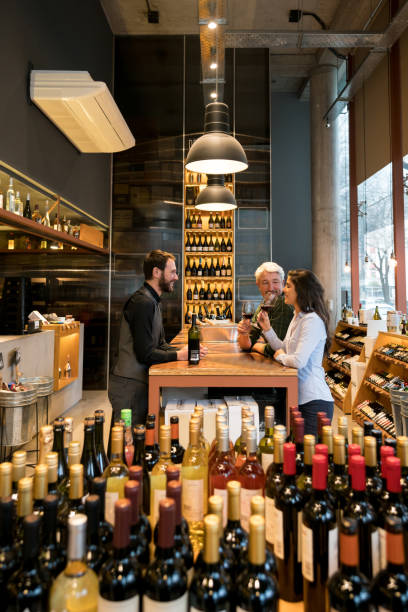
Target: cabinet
(382,373)
(208,255)
(347,345)
(66,349)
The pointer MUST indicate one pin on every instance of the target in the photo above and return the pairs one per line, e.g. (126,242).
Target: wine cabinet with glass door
(208,256)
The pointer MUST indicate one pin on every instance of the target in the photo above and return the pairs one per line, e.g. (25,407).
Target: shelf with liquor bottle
(387,369)
(66,353)
(208,254)
(41,216)
(347,346)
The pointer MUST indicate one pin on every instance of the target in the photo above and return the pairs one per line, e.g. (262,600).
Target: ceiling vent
(83,109)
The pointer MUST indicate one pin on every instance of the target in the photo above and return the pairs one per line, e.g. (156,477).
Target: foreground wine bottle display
(86,543)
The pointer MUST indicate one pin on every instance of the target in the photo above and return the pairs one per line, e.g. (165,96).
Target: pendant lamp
(215,197)
(216,152)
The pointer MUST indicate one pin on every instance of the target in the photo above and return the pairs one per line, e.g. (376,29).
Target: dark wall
(291,205)
(51,35)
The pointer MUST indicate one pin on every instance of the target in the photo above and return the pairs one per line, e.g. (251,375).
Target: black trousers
(128,393)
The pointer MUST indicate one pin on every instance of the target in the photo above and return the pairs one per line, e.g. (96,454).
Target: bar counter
(224,366)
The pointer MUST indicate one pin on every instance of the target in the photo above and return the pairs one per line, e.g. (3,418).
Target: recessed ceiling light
(212,25)
(213,66)
(213,95)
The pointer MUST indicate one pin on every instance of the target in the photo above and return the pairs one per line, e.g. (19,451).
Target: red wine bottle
(348,588)
(274,479)
(139,459)
(120,579)
(385,452)
(9,560)
(136,473)
(338,482)
(222,469)
(319,539)
(373,478)
(177,451)
(256,590)
(359,508)
(101,456)
(52,556)
(304,480)
(165,580)
(98,487)
(139,545)
(288,530)
(389,588)
(58,447)
(251,476)
(182,544)
(88,458)
(96,553)
(299,426)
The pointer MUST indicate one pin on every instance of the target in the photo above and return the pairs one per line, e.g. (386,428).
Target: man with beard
(141,341)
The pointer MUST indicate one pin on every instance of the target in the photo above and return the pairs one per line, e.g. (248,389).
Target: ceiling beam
(301,40)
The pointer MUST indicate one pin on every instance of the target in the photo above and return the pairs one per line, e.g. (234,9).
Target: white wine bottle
(116,474)
(194,475)
(158,480)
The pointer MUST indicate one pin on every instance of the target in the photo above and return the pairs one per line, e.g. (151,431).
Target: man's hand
(244,327)
(203,350)
(259,347)
(182,354)
(263,321)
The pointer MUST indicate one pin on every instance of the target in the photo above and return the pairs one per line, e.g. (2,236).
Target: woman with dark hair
(304,345)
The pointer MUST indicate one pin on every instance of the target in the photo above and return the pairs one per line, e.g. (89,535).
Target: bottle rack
(380,363)
(209,239)
(350,347)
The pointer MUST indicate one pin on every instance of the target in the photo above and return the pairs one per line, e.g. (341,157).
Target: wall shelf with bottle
(208,255)
(387,369)
(66,353)
(347,346)
(28,209)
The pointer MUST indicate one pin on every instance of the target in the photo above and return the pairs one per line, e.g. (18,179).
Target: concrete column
(324,188)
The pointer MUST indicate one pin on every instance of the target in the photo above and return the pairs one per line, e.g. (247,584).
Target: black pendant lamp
(216,151)
(215,197)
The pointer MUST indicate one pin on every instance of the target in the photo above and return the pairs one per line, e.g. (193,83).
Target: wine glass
(248,310)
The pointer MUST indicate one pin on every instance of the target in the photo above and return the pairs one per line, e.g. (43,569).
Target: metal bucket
(18,416)
(399,403)
(43,384)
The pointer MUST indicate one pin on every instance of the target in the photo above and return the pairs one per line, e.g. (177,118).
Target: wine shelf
(387,359)
(209,253)
(193,279)
(338,366)
(208,231)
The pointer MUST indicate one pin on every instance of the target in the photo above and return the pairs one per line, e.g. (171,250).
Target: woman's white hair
(269,266)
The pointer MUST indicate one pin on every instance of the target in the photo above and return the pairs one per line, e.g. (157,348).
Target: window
(342,126)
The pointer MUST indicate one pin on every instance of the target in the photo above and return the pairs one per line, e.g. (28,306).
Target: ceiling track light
(215,197)
(347,267)
(216,151)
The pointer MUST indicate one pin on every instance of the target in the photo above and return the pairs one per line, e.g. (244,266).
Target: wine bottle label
(299,536)
(266,459)
(383,550)
(223,493)
(278,545)
(375,552)
(246,496)
(177,605)
(307,553)
(269,515)
(110,499)
(193,499)
(333,551)
(194,356)
(158,494)
(129,605)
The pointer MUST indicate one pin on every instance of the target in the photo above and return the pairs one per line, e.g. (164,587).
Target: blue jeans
(309,413)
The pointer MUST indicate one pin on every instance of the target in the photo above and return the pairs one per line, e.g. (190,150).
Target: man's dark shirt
(280,317)
(139,313)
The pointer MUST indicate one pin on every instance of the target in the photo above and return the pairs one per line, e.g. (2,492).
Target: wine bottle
(139,544)
(194,269)
(222,222)
(228,223)
(101,456)
(105,529)
(359,508)
(136,473)
(88,458)
(251,476)
(51,459)
(215,293)
(151,455)
(229,244)
(338,481)
(195,292)
(235,538)
(287,519)
(373,479)
(246,413)
(201,293)
(177,451)
(222,469)
(299,427)
(256,590)
(46,442)
(40,488)
(96,553)
(73,504)
(228,295)
(24,505)
(27,208)
(116,475)
(52,555)
(9,560)
(199,222)
(165,580)
(216,506)
(197,243)
(158,480)
(389,589)
(385,452)
(357,437)
(194,342)
(18,461)
(348,588)
(327,439)
(342,430)
(27,589)
(258,507)
(139,460)
(200,268)
(223,246)
(392,505)
(68,432)
(198,416)
(6,469)
(209,589)
(402,454)
(76,583)
(74,455)
(188,219)
(217,222)
(211,222)
(194,473)
(58,447)
(229,268)
(319,539)
(273,482)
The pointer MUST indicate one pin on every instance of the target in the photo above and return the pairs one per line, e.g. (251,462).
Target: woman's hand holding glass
(263,321)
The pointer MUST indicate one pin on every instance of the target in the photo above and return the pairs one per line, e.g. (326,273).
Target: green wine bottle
(194,342)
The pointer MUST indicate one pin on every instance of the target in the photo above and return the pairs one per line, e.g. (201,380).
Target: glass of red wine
(248,310)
